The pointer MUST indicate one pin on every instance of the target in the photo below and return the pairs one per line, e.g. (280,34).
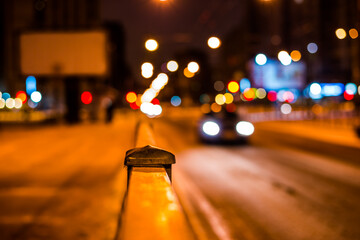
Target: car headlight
(211,128)
(245,128)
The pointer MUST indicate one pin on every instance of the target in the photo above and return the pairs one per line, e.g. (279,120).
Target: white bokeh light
(214,42)
(261,59)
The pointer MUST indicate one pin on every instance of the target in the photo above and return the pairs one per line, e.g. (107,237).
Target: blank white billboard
(64,53)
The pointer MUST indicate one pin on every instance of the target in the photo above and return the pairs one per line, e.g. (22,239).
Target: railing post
(149,156)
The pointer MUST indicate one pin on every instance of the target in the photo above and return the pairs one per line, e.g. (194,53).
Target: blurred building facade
(51,16)
(271,26)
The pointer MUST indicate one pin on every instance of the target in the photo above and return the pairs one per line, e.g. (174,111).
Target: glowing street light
(284,58)
(340,33)
(260,59)
(353,33)
(295,55)
(214,42)
(147,70)
(151,45)
(172,66)
(36,96)
(193,67)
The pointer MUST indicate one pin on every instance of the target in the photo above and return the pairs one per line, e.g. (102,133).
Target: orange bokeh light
(22,96)
(131,97)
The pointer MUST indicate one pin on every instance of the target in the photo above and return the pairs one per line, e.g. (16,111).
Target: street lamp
(172,66)
(193,67)
(295,55)
(340,33)
(284,57)
(147,70)
(260,59)
(353,33)
(151,45)
(214,42)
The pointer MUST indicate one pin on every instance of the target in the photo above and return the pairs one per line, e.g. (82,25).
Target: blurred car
(224,127)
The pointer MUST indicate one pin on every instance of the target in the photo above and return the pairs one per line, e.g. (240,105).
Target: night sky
(175,24)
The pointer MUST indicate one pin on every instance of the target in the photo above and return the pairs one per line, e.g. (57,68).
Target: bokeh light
(219,86)
(231,107)
(315,89)
(244,84)
(211,128)
(220,99)
(32,104)
(10,103)
(215,107)
(146,66)
(249,94)
(245,128)
(353,33)
(134,105)
(155,101)
(285,108)
(188,74)
(348,95)
(284,58)
(351,87)
(172,66)
(18,103)
(312,47)
(86,97)
(6,95)
(175,101)
(151,45)
(288,97)
(272,96)
(36,97)
(160,82)
(150,109)
(193,67)
(2,103)
(260,93)
(131,97)
(233,87)
(148,95)
(30,84)
(260,59)
(204,98)
(229,98)
(340,33)
(205,108)
(147,70)
(214,42)
(295,55)
(22,96)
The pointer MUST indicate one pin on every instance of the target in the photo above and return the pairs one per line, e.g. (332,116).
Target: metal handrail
(151,209)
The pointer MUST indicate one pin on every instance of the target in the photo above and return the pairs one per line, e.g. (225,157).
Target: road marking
(215,220)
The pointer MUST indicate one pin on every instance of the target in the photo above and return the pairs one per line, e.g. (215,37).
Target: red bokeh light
(134,106)
(22,96)
(155,101)
(348,95)
(272,96)
(231,107)
(86,97)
